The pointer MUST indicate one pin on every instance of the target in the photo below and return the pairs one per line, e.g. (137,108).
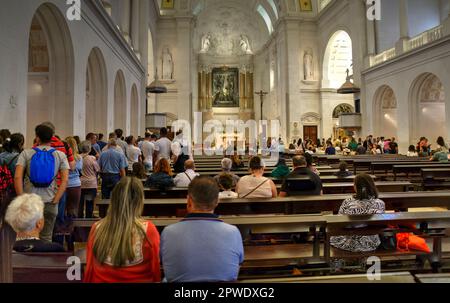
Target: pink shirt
(89,173)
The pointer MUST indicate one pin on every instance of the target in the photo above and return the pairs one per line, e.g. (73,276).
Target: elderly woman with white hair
(25,215)
(227,165)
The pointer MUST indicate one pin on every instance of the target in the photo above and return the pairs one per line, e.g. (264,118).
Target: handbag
(408,241)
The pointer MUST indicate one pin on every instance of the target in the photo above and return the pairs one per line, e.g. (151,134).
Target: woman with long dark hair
(364,202)
(12,146)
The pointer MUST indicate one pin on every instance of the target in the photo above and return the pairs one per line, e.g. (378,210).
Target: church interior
(333,86)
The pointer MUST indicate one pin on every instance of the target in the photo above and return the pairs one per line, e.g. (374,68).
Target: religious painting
(168,4)
(225,85)
(306,5)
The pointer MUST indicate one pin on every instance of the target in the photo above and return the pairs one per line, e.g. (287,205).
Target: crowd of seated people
(57,180)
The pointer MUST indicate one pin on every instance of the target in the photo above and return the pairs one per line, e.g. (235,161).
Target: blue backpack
(42,168)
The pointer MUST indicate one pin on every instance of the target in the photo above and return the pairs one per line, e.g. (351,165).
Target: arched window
(274,7)
(262,11)
(338,58)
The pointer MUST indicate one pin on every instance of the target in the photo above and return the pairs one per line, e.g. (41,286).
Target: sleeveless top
(248,183)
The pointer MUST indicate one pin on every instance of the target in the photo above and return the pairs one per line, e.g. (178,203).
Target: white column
(135,24)
(125,20)
(401,45)
(403,18)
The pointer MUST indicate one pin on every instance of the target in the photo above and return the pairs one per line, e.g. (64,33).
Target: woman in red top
(123,247)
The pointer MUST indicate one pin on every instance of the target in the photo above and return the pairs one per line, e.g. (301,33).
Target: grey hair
(24,212)
(227,164)
(86,147)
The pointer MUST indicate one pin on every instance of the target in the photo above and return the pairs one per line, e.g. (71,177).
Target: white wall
(92,31)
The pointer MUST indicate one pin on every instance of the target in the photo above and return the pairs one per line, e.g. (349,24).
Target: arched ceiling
(226,22)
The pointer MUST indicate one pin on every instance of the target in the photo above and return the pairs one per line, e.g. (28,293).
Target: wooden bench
(41,267)
(430,224)
(416,168)
(433,278)
(290,205)
(257,224)
(328,188)
(435,178)
(401,277)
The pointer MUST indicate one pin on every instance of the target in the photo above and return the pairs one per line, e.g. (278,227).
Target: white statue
(308,65)
(245,45)
(206,43)
(167,64)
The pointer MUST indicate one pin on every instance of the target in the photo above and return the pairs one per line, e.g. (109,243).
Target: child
(226,183)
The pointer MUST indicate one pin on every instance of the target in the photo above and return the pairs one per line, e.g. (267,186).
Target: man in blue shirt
(202,248)
(113,165)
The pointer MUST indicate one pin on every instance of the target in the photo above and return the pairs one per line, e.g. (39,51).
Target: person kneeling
(202,248)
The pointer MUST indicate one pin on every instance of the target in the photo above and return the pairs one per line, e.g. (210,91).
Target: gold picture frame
(305,5)
(167,4)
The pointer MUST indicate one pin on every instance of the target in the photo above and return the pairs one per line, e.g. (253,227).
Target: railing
(424,38)
(383,57)
(323,4)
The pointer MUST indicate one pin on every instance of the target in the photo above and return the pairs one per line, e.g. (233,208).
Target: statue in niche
(206,43)
(245,45)
(308,65)
(167,65)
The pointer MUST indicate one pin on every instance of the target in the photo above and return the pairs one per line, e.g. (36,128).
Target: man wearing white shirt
(148,148)
(184,179)
(163,146)
(132,152)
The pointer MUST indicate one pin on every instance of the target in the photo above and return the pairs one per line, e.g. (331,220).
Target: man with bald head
(184,179)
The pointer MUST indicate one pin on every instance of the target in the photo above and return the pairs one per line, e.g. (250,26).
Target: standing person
(36,173)
(133,152)
(124,247)
(73,191)
(113,165)
(163,147)
(96,150)
(393,147)
(119,142)
(89,182)
(353,145)
(100,142)
(256,185)
(12,147)
(148,148)
(365,202)
(214,249)
(4,134)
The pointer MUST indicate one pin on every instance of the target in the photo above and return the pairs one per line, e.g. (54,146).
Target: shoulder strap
(188,176)
(12,160)
(253,190)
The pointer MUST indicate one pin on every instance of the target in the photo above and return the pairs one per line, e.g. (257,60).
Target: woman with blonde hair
(162,176)
(123,247)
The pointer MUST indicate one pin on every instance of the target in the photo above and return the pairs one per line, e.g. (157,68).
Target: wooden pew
(328,188)
(401,277)
(416,168)
(7,239)
(290,205)
(435,178)
(427,223)
(41,267)
(433,278)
